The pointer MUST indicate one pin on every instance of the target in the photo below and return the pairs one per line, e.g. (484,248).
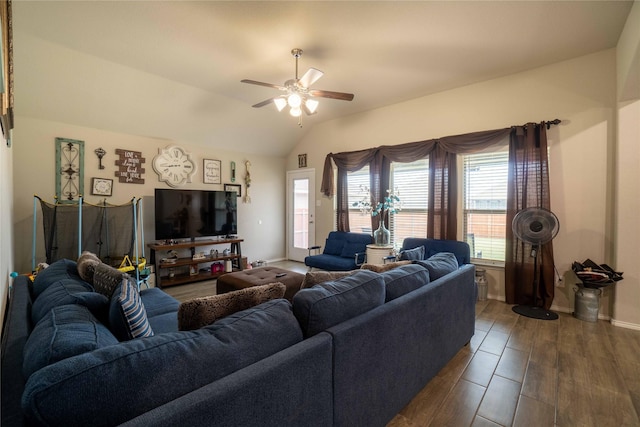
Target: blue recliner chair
(343,251)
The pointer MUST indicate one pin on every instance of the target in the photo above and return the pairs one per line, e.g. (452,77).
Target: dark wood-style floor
(519,371)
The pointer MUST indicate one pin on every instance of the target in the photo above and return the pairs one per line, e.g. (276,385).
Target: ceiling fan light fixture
(295,111)
(311,105)
(294,100)
(280,103)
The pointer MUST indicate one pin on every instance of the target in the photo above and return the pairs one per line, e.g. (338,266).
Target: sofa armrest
(360,258)
(314,248)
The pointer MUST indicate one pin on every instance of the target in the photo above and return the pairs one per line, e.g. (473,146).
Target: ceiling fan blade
(333,95)
(263,103)
(254,82)
(310,77)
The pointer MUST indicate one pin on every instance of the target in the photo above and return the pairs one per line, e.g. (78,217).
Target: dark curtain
(528,187)
(443,184)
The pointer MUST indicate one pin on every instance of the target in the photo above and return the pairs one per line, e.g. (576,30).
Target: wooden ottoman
(260,276)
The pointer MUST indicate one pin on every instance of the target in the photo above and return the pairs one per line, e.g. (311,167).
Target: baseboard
(625,325)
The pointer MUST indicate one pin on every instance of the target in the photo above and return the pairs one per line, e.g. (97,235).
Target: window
(358,182)
(485,203)
(411,182)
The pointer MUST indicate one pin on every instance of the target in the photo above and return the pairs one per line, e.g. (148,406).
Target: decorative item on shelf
(199,256)
(213,253)
(228,266)
(211,174)
(390,205)
(193,270)
(226,252)
(247,181)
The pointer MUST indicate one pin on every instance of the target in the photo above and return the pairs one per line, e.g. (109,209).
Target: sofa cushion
(381,268)
(415,254)
(312,278)
(440,264)
(402,280)
(144,374)
(106,279)
(127,316)
(61,269)
(87,266)
(68,291)
(333,247)
(199,312)
(157,302)
(330,303)
(65,331)
(350,249)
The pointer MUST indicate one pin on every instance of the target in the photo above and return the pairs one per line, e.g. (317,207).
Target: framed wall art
(101,186)
(212,173)
(234,187)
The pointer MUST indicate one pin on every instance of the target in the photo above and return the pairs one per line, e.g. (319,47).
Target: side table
(376,254)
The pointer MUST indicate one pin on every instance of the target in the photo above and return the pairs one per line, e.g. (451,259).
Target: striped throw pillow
(127,316)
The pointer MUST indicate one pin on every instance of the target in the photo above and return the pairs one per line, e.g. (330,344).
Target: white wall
(6,221)
(627,294)
(260,223)
(581,92)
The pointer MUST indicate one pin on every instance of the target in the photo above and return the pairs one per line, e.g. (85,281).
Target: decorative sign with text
(130,168)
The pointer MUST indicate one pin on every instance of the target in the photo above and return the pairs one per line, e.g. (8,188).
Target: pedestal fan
(535,226)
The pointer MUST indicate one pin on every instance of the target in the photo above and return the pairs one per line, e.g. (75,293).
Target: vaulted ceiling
(172,69)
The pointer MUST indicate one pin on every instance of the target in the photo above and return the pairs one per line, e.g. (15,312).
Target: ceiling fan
(298,94)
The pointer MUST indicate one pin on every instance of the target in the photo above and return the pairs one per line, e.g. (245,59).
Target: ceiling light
(280,103)
(311,104)
(295,111)
(294,100)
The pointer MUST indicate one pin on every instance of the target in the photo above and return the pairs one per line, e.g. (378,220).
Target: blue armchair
(343,251)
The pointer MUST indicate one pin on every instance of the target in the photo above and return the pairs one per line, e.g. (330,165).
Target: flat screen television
(188,214)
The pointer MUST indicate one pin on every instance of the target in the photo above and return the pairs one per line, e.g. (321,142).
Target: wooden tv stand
(182,278)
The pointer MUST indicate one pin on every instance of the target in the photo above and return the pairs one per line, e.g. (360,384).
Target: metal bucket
(587,303)
(481,282)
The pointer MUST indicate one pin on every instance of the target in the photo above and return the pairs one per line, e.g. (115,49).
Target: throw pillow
(87,266)
(127,316)
(381,268)
(440,265)
(199,312)
(403,280)
(415,254)
(330,303)
(313,278)
(106,279)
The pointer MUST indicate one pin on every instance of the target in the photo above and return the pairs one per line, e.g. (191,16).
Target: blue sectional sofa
(343,251)
(349,352)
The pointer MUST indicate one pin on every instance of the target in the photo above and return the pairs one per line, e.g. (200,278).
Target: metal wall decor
(69,170)
(100,153)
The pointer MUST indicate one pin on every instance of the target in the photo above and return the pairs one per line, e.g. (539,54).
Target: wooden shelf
(182,278)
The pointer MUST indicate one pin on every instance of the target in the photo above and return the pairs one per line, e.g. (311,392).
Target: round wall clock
(174,166)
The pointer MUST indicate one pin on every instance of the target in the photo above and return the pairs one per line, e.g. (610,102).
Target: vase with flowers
(390,205)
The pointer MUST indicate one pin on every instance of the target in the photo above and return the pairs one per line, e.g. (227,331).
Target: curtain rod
(553,122)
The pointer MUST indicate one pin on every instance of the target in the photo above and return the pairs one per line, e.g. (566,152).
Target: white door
(301,213)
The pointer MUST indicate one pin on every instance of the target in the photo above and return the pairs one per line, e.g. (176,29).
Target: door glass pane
(301,213)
